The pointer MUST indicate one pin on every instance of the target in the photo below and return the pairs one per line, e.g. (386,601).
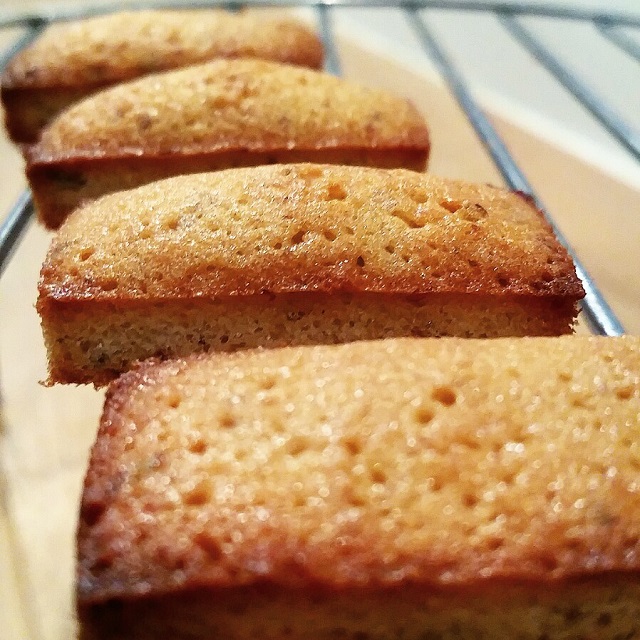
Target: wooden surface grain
(46,433)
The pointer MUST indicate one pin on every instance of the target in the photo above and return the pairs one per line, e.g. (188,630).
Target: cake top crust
(442,463)
(304,228)
(247,104)
(119,46)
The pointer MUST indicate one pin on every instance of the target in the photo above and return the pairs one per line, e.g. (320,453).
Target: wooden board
(46,433)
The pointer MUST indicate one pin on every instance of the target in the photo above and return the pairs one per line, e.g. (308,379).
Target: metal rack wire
(598,313)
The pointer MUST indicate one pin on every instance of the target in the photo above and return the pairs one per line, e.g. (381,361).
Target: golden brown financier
(408,488)
(221,114)
(294,254)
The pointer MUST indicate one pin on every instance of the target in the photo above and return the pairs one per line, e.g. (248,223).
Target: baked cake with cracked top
(294,254)
(71,60)
(222,114)
(396,489)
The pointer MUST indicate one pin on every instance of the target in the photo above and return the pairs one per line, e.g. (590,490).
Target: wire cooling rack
(612,25)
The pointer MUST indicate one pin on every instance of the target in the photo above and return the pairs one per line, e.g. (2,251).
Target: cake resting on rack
(295,254)
(395,489)
(71,60)
(286,451)
(222,114)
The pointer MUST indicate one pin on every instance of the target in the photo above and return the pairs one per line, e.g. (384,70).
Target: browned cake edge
(93,342)
(597,608)
(28,111)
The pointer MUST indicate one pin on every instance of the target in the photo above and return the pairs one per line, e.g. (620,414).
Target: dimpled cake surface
(307,227)
(452,467)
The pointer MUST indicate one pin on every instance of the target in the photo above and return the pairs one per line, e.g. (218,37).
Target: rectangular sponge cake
(294,254)
(394,489)
(71,60)
(208,117)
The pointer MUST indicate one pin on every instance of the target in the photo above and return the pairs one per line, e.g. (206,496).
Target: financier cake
(404,488)
(293,254)
(222,114)
(73,59)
